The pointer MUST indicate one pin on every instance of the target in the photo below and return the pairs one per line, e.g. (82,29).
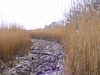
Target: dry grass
(82,45)
(13,41)
(55,33)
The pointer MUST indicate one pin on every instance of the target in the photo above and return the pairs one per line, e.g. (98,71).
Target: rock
(44,58)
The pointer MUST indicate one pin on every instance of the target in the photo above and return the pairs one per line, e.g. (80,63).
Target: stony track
(44,58)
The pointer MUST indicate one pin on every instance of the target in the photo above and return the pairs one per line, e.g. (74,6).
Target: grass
(82,45)
(13,41)
(54,33)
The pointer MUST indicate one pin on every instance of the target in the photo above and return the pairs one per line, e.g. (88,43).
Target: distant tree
(55,24)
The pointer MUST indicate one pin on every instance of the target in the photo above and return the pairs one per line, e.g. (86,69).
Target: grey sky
(33,13)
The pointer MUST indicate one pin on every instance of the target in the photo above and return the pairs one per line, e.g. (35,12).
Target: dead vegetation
(54,33)
(13,41)
(82,44)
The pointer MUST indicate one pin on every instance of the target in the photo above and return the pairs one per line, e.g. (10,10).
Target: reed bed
(13,41)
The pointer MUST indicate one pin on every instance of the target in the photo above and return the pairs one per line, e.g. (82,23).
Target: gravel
(44,58)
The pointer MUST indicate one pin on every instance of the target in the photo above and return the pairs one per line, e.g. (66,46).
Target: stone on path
(44,58)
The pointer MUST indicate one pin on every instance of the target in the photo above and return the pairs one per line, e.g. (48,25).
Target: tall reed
(82,46)
(13,41)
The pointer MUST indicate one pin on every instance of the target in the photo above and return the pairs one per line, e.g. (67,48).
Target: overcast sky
(32,13)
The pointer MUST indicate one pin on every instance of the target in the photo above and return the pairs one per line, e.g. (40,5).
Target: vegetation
(13,41)
(81,40)
(53,33)
(82,43)
(82,46)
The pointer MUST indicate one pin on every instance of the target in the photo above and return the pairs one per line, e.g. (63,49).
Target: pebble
(45,58)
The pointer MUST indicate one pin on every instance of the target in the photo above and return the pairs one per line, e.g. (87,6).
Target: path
(44,58)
